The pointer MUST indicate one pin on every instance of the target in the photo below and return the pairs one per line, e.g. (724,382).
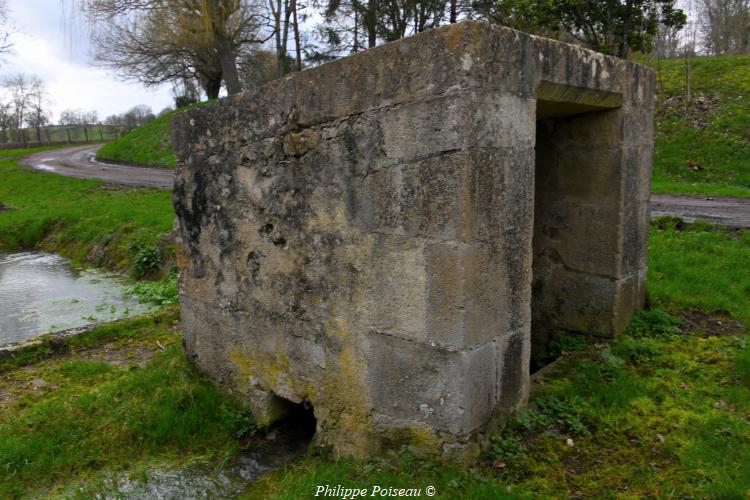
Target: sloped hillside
(704,147)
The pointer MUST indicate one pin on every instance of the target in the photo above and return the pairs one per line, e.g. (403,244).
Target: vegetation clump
(161,293)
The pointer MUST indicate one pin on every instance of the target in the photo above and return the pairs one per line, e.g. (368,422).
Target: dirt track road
(81,162)
(734,212)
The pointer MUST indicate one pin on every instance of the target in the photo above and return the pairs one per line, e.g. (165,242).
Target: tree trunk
(454,11)
(370,22)
(67,130)
(356,32)
(228,64)
(86,133)
(295,26)
(280,52)
(211,85)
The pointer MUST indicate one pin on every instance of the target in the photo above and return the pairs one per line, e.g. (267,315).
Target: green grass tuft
(700,267)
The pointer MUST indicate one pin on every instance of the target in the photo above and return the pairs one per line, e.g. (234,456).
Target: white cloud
(41,49)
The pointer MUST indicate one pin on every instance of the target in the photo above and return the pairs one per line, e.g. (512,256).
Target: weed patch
(160,293)
(146,259)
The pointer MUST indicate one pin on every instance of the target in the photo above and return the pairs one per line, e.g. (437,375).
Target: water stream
(42,293)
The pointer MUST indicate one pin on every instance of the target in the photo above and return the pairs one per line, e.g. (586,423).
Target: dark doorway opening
(575,169)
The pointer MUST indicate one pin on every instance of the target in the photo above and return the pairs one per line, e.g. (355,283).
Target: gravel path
(81,162)
(734,212)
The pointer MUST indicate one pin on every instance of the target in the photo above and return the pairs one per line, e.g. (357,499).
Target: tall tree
(5,29)
(25,92)
(725,26)
(159,41)
(615,27)
(39,114)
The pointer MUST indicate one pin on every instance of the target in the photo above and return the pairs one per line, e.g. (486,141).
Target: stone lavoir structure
(386,238)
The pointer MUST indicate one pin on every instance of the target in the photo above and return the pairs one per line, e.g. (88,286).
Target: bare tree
(6,121)
(725,26)
(6,29)
(160,41)
(26,99)
(281,14)
(39,114)
(69,118)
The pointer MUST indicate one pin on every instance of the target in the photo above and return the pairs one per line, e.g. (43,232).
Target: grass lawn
(106,408)
(703,148)
(85,220)
(664,411)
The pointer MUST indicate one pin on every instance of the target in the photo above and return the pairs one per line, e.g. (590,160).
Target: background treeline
(200,46)
(26,118)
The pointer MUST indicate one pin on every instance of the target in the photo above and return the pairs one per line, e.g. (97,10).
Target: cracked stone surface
(387,237)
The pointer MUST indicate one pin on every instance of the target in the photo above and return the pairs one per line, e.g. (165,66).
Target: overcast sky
(57,51)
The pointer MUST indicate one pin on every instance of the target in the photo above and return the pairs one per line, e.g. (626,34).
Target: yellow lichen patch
(454,37)
(345,394)
(268,372)
(299,143)
(421,441)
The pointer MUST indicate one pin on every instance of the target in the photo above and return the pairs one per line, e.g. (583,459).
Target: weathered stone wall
(358,236)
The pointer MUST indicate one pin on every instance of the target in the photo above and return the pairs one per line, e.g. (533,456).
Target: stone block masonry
(387,237)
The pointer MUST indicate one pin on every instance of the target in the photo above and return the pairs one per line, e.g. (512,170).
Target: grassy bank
(116,228)
(664,411)
(148,146)
(126,396)
(703,147)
